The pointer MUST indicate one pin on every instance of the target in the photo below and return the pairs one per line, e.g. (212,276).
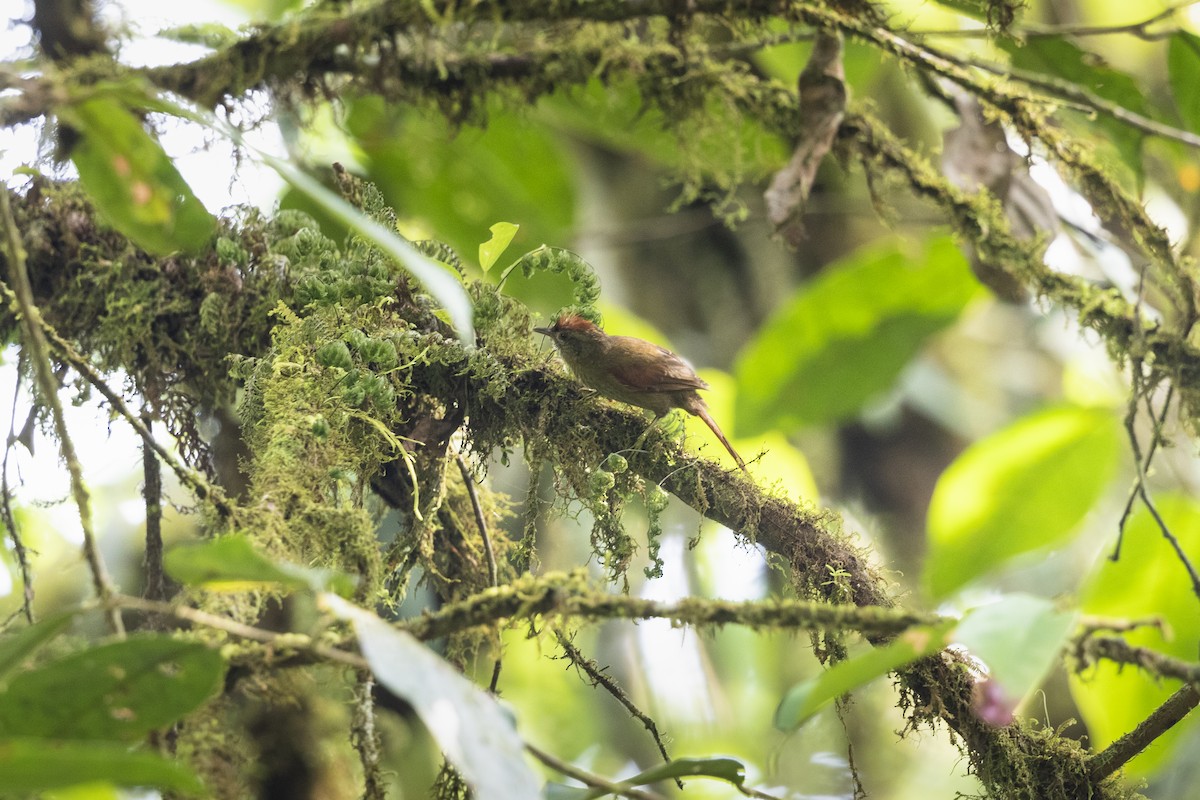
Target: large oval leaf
(117,691)
(1147,582)
(1020,489)
(844,338)
(34,765)
(132,182)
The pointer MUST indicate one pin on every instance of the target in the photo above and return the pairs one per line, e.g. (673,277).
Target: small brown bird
(632,371)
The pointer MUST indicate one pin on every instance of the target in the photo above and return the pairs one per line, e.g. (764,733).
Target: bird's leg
(653,423)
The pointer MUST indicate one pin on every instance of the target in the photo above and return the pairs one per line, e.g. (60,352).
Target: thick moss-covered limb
(571,596)
(1023,760)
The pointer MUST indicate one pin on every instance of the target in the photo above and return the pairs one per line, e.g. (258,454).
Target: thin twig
(1142,463)
(9,519)
(489,553)
(156,588)
(598,678)
(1034,31)
(283,641)
(39,357)
(70,356)
(1090,649)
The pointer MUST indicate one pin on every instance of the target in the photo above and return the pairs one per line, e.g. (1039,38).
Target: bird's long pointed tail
(701,411)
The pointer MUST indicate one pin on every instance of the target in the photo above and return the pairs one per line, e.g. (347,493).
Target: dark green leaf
(1183,67)
(807,698)
(474,733)
(132,181)
(116,691)
(1018,490)
(844,338)
(21,645)
(34,765)
(231,564)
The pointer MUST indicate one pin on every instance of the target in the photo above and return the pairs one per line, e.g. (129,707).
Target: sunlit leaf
(1019,638)
(442,283)
(19,646)
(1020,489)
(232,564)
(1183,68)
(807,698)
(473,732)
(117,691)
(1148,581)
(502,236)
(132,182)
(844,338)
(34,765)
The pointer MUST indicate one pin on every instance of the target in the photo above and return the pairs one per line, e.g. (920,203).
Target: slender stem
(6,514)
(156,588)
(598,678)
(39,357)
(589,778)
(283,641)
(489,553)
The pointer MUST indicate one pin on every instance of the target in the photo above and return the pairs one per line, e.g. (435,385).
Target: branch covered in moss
(569,596)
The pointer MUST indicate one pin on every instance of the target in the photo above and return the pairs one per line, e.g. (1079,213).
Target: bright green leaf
(502,236)
(232,564)
(117,691)
(19,646)
(34,765)
(844,338)
(1147,582)
(807,698)
(1183,68)
(473,731)
(1018,490)
(1019,638)
(131,180)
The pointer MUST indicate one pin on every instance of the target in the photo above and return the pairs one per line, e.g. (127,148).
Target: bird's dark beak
(544,331)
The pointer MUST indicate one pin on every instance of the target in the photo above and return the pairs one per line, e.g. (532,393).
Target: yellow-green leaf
(493,248)
(1025,487)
